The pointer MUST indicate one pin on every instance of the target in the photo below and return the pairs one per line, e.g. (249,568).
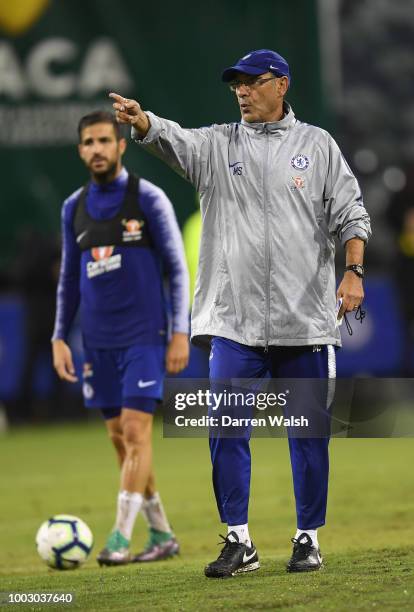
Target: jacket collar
(274,126)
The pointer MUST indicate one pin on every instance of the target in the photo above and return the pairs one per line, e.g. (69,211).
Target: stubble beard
(106,176)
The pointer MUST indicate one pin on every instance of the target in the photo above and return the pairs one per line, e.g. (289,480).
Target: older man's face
(260,98)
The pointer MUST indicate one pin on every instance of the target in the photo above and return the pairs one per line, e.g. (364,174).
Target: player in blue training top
(119,233)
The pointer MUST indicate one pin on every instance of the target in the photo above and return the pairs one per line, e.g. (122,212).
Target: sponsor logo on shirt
(105,261)
(133,230)
(100,253)
(298,183)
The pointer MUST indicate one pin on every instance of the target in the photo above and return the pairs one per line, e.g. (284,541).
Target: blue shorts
(130,377)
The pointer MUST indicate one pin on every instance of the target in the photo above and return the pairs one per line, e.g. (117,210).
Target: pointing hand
(130,112)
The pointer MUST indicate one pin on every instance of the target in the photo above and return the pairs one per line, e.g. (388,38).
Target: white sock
(242,532)
(312,533)
(154,513)
(129,504)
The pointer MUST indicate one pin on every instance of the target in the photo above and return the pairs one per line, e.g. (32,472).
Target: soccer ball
(64,541)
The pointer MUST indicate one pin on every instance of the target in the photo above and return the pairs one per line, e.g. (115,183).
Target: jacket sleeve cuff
(354,232)
(58,336)
(153,132)
(183,328)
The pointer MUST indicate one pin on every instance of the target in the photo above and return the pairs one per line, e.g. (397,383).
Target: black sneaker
(305,557)
(235,558)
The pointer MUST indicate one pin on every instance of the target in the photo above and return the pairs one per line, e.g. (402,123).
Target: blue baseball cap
(258,62)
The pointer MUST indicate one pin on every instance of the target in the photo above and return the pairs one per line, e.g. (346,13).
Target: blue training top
(124,305)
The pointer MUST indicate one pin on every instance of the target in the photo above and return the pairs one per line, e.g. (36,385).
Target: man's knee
(137,430)
(114,429)
(116,438)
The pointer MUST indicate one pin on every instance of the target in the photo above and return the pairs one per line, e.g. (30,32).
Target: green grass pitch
(368,543)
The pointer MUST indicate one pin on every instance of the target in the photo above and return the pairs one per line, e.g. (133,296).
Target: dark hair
(99,116)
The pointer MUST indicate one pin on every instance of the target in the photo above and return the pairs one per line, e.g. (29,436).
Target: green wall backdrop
(59,59)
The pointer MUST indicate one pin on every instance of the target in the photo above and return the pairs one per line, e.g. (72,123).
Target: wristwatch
(358,269)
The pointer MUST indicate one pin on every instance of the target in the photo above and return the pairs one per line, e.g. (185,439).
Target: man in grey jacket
(274,194)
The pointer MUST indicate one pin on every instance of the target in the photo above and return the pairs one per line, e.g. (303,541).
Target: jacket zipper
(267,248)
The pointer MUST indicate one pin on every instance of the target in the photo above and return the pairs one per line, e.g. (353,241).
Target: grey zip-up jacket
(273,197)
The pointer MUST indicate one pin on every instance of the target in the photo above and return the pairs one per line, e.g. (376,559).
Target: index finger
(117,97)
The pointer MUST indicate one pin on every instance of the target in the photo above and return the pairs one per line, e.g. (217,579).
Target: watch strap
(358,269)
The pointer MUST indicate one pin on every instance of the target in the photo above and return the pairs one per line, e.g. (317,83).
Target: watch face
(357,269)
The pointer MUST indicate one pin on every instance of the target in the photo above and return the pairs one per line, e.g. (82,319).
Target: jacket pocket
(323,263)
(220,281)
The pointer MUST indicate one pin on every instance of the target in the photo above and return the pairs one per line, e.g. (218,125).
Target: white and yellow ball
(64,541)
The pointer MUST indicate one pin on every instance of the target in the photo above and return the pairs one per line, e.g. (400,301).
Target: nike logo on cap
(247,557)
(147,383)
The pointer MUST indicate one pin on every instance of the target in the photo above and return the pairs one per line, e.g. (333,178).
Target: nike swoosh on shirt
(79,238)
(146,383)
(248,557)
